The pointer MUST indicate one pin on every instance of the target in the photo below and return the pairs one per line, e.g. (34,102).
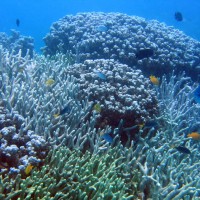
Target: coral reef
(118,36)
(166,172)
(18,146)
(49,100)
(73,175)
(24,89)
(124,93)
(16,42)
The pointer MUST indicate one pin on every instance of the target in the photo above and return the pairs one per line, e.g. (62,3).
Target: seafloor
(110,110)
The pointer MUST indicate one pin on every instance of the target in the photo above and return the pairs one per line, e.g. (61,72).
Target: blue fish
(183,149)
(65,110)
(101,75)
(102,28)
(150,124)
(197,94)
(107,137)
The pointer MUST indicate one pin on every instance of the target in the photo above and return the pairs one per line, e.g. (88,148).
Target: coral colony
(110,111)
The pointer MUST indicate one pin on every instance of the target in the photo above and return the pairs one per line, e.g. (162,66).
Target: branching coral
(24,90)
(161,166)
(73,175)
(166,172)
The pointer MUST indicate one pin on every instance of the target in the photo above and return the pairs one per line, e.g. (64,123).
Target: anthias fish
(194,135)
(154,80)
(144,53)
(178,16)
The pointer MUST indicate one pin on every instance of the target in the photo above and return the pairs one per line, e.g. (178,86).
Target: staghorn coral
(166,172)
(120,40)
(18,146)
(125,94)
(23,89)
(72,175)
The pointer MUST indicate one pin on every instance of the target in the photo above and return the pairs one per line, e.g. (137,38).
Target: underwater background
(37,16)
(99,100)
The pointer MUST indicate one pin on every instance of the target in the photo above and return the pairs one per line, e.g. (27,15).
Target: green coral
(73,175)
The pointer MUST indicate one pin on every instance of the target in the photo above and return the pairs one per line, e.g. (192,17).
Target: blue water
(36,16)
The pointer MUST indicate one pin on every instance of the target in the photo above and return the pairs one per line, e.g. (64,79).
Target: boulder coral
(118,36)
(124,93)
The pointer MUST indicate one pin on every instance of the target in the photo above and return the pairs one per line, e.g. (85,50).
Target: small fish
(28,169)
(178,16)
(17,22)
(49,82)
(106,136)
(148,124)
(183,149)
(101,75)
(197,94)
(154,80)
(194,135)
(65,110)
(97,107)
(144,53)
(21,69)
(102,28)
(151,123)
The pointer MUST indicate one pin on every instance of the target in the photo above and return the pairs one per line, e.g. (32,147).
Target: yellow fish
(141,125)
(56,115)
(28,169)
(194,135)
(154,80)
(97,107)
(50,82)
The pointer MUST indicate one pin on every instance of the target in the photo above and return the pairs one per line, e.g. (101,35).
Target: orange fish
(28,169)
(194,135)
(154,80)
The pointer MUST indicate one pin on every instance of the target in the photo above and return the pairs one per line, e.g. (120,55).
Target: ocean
(37,16)
(99,100)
